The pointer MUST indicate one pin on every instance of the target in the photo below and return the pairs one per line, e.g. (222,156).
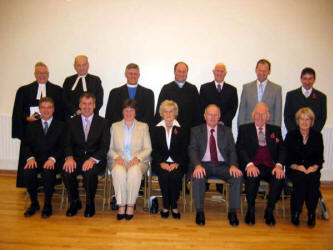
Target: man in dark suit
(26,108)
(144,98)
(42,152)
(74,86)
(261,90)
(261,154)
(87,141)
(306,96)
(212,153)
(221,94)
(185,95)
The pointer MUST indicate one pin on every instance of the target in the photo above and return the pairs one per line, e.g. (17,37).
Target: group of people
(61,131)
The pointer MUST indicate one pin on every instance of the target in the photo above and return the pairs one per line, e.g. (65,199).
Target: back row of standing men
(191,103)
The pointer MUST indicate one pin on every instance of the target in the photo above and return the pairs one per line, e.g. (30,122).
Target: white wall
(292,34)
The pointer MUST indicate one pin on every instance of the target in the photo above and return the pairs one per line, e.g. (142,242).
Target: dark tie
(46,127)
(212,147)
(219,89)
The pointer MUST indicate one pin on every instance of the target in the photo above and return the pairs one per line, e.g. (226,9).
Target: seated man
(43,154)
(212,153)
(87,142)
(261,154)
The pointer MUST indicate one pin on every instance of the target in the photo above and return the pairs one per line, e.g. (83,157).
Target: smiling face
(181,72)
(260,115)
(129,114)
(41,74)
(168,114)
(307,80)
(87,106)
(46,110)
(219,72)
(304,122)
(81,65)
(262,71)
(132,76)
(212,115)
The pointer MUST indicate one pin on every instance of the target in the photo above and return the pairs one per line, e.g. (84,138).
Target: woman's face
(168,114)
(129,114)
(304,122)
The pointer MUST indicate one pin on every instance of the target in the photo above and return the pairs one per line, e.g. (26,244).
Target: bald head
(260,114)
(81,65)
(219,72)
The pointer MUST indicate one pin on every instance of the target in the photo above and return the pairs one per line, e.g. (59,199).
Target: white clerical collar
(41,92)
(132,85)
(180,84)
(217,83)
(163,124)
(84,84)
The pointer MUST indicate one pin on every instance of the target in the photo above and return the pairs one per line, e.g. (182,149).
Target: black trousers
(305,188)
(170,183)
(252,185)
(31,182)
(90,181)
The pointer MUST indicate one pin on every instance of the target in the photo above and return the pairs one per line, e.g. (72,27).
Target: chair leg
(184,193)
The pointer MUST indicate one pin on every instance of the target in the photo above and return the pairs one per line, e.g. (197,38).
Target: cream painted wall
(156,34)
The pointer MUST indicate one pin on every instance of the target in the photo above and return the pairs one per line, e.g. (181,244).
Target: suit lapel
(254,90)
(204,139)
(135,134)
(124,92)
(92,129)
(220,139)
(267,91)
(138,92)
(79,125)
(34,90)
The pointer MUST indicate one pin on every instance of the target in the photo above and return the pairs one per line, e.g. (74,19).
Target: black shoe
(295,218)
(232,216)
(90,210)
(31,210)
(164,215)
(129,216)
(121,216)
(73,208)
(175,215)
(250,217)
(311,220)
(47,211)
(269,218)
(200,218)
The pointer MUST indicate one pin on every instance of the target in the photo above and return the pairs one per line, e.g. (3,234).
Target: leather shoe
(90,210)
(269,218)
(175,215)
(164,215)
(121,216)
(47,211)
(250,217)
(73,208)
(129,216)
(311,220)
(232,216)
(295,218)
(31,210)
(200,218)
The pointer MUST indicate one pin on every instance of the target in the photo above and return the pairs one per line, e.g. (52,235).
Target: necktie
(219,89)
(46,127)
(307,93)
(87,128)
(261,137)
(212,148)
(261,91)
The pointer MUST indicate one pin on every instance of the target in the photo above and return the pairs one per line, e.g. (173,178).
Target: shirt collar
(221,83)
(163,124)
(264,83)
(48,121)
(209,128)
(263,128)
(304,90)
(180,84)
(89,118)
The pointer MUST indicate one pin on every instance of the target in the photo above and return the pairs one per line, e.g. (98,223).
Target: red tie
(212,147)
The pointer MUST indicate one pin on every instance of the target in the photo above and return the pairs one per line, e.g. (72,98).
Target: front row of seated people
(83,145)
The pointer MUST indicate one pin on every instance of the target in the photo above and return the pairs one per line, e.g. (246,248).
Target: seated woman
(169,154)
(305,159)
(130,153)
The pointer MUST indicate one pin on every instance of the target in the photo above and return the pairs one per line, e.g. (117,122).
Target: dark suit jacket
(227,100)
(188,101)
(144,98)
(296,100)
(98,142)
(309,154)
(198,145)
(161,152)
(247,144)
(26,98)
(72,98)
(40,146)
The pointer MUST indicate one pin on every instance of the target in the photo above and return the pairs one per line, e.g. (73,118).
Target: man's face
(219,73)
(132,76)
(41,74)
(307,80)
(212,116)
(87,106)
(181,73)
(81,65)
(262,71)
(46,110)
(260,115)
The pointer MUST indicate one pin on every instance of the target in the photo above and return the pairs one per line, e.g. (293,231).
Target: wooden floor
(147,231)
